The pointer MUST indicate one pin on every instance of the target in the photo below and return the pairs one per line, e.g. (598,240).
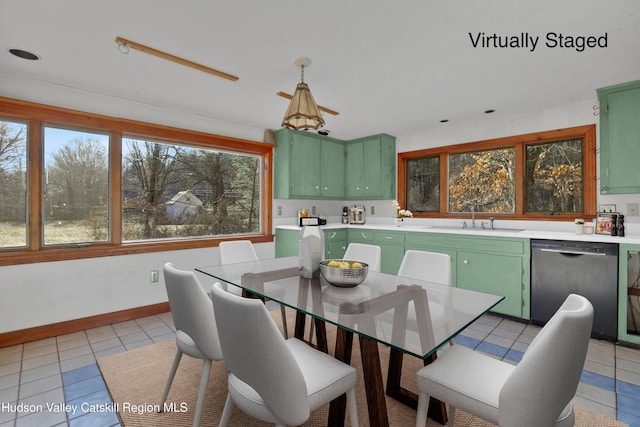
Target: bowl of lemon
(343,272)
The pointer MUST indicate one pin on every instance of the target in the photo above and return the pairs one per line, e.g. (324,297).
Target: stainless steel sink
(489,230)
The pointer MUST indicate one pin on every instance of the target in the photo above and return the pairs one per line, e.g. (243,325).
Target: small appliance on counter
(356,215)
(312,220)
(345,215)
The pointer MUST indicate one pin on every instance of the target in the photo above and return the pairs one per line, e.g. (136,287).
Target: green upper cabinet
(619,138)
(370,168)
(308,166)
(311,166)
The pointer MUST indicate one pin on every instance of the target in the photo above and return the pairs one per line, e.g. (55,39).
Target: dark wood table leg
(437,409)
(344,346)
(372,373)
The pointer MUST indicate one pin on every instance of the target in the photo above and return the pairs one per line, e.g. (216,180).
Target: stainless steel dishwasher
(559,268)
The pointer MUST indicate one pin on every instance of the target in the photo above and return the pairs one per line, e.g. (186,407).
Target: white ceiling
(386,66)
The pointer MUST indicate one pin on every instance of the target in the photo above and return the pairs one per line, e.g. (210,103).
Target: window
(173,191)
(78,185)
(13,184)
(546,175)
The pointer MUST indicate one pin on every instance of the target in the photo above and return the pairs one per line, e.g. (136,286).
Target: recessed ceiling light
(489,111)
(24,54)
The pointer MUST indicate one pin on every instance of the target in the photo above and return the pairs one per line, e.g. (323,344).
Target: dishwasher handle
(562,251)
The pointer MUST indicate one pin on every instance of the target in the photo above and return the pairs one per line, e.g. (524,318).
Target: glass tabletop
(413,316)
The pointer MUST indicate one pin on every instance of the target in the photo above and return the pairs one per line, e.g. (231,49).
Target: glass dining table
(409,316)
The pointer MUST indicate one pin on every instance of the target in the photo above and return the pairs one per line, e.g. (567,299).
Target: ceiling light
(24,54)
(303,112)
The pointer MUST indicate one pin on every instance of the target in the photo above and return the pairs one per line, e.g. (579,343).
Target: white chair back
(371,254)
(192,311)
(428,266)
(257,354)
(235,251)
(547,377)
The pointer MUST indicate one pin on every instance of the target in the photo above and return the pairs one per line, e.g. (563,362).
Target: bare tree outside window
(76,187)
(553,177)
(177,191)
(483,181)
(423,184)
(13,184)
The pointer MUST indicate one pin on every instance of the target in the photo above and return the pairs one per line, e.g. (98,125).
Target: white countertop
(514,232)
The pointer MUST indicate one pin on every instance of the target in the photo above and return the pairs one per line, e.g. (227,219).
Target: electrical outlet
(373,210)
(279,210)
(632,209)
(313,210)
(154,276)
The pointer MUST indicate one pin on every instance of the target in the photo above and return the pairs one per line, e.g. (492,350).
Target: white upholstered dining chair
(535,393)
(428,266)
(272,379)
(234,251)
(196,332)
(370,254)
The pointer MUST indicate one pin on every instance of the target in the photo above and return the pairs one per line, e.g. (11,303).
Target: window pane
(554,177)
(13,184)
(174,191)
(423,184)
(76,187)
(482,180)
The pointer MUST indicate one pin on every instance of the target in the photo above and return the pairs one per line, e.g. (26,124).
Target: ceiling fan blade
(177,59)
(325,109)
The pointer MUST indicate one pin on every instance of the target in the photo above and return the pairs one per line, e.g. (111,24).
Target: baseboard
(46,331)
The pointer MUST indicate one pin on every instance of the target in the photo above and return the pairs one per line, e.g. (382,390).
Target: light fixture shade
(303,113)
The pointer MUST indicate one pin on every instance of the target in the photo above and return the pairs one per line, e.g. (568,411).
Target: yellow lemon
(345,264)
(356,265)
(333,263)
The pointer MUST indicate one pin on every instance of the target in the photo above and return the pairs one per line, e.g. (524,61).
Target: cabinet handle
(333,235)
(363,235)
(388,237)
(317,187)
(357,188)
(366,188)
(466,261)
(325,188)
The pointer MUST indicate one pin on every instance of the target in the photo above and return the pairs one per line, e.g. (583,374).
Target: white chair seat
(322,384)
(188,345)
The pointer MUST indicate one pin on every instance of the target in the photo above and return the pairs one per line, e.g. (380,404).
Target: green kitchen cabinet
(286,242)
(628,299)
(370,168)
(619,138)
(392,250)
(335,243)
(495,265)
(308,166)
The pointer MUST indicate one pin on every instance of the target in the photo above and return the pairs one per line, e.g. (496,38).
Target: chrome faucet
(491,219)
(473,215)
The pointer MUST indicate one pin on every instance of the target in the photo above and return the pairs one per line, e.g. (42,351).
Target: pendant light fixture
(303,113)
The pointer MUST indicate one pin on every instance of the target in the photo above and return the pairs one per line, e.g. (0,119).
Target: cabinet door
(286,242)
(494,274)
(371,164)
(332,169)
(305,166)
(619,139)
(354,170)
(335,242)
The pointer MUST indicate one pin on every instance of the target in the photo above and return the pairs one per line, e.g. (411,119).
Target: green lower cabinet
(335,243)
(494,274)
(392,247)
(628,299)
(286,243)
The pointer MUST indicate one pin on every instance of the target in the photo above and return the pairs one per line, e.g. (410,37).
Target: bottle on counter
(621,225)
(614,225)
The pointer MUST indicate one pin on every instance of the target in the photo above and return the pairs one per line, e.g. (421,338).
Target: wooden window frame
(587,133)
(39,115)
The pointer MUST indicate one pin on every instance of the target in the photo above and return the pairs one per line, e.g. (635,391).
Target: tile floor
(56,381)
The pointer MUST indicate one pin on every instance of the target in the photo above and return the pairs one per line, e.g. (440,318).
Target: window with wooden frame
(80,185)
(540,176)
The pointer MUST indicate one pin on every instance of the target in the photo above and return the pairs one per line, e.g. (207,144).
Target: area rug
(136,380)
